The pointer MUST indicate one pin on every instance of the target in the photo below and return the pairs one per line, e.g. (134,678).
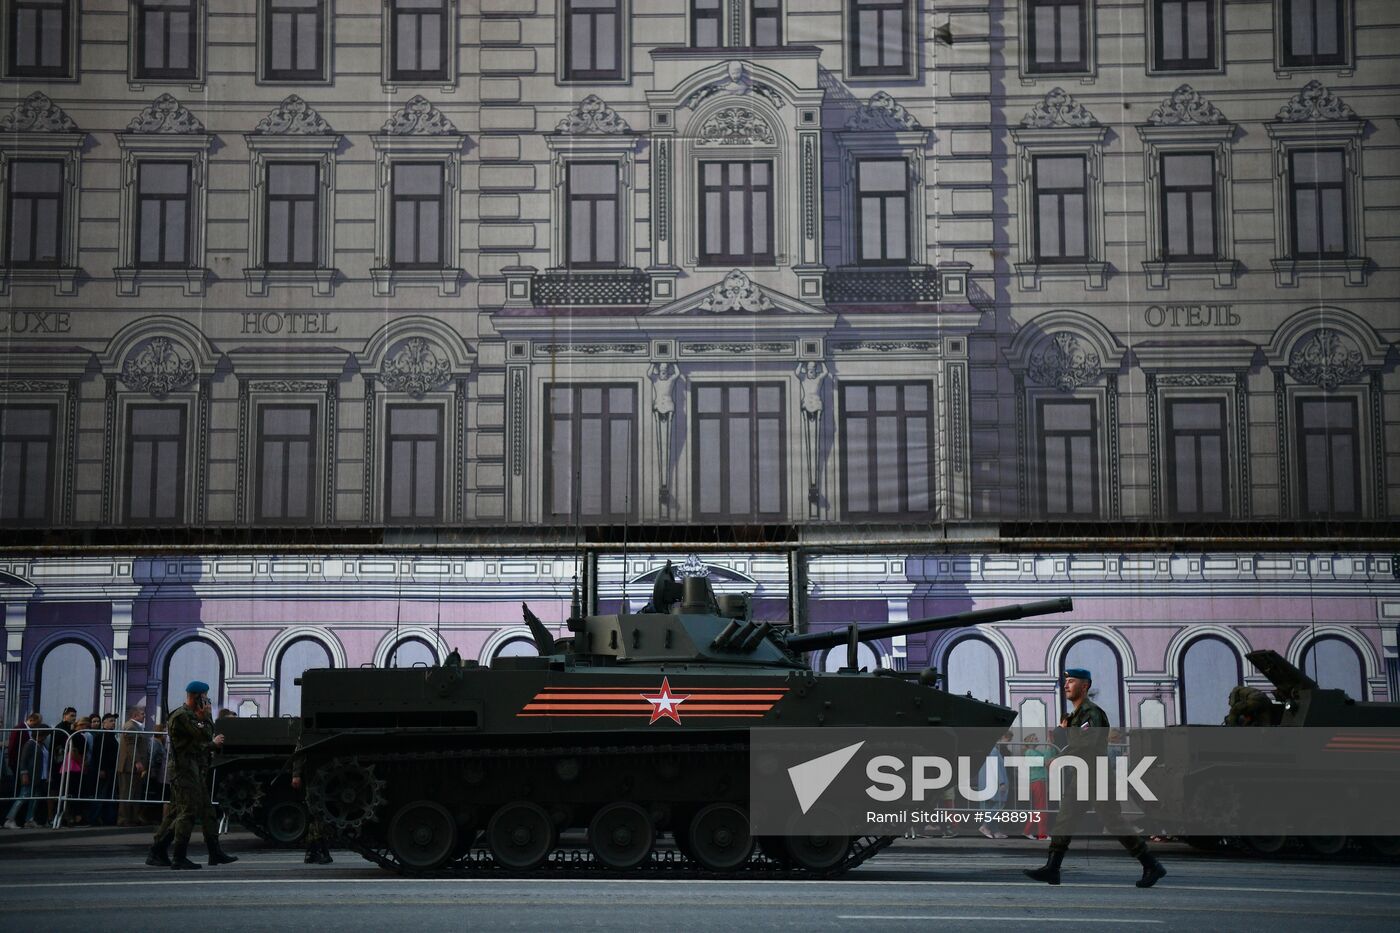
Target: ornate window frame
(1345,68)
(1187,123)
(624,52)
(291,132)
(418,132)
(164,131)
(913,45)
(1091,64)
(137,82)
(1316,118)
(1058,125)
(39,129)
(386,52)
(592,132)
(883,128)
(73,26)
(327,41)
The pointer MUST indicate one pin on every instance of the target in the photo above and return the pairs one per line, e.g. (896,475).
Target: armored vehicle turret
(630,726)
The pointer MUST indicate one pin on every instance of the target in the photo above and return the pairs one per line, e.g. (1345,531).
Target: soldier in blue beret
(1086,729)
(191,740)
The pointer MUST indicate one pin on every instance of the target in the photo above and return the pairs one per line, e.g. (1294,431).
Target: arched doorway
(1210,668)
(67,677)
(297,658)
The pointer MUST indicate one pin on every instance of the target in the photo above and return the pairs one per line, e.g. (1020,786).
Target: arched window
(412,652)
(297,658)
(866,657)
(1100,659)
(973,665)
(67,677)
(1335,664)
(1210,669)
(195,659)
(516,648)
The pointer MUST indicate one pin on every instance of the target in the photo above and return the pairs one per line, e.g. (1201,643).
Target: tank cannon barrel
(815,641)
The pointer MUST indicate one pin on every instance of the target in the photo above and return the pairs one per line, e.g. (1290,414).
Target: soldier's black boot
(1152,870)
(312,853)
(217,856)
(323,855)
(1050,871)
(158,856)
(178,861)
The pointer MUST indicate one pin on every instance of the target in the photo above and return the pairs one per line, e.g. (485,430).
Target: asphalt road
(57,882)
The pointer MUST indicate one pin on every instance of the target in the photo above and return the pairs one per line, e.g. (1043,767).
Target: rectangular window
(740,445)
(294,46)
(1317,183)
(166,33)
(1185,35)
(413,473)
(418,37)
(163,214)
(590,452)
(594,225)
(1057,36)
(155,463)
(1188,205)
(886,441)
(1329,456)
(39,38)
(1313,33)
(880,32)
(882,211)
(1196,455)
(418,215)
(766,23)
(35,213)
(286,461)
(1069,460)
(26,464)
(593,40)
(736,213)
(1061,209)
(706,24)
(293,190)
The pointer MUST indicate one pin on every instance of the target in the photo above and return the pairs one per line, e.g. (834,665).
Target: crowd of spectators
(83,771)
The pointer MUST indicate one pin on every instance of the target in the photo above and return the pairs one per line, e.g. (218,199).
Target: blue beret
(1078,673)
(196,686)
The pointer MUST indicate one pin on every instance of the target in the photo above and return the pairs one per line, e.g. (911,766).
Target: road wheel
(423,835)
(285,821)
(622,835)
(1386,846)
(817,853)
(1265,845)
(720,837)
(1324,845)
(521,835)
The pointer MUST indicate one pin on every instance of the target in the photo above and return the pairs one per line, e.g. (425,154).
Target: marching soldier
(316,850)
(1087,737)
(192,740)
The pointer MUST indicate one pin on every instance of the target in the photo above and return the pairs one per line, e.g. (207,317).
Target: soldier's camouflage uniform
(1087,738)
(191,742)
(316,850)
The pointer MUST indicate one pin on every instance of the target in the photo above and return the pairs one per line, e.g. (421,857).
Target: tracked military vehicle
(633,726)
(252,781)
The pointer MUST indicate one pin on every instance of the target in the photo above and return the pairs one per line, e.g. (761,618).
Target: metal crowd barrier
(110,770)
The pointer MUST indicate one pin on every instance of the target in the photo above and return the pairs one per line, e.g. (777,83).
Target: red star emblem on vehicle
(665,705)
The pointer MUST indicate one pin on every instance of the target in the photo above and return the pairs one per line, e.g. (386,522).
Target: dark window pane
(879,37)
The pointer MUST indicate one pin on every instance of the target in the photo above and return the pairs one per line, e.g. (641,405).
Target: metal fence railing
(54,777)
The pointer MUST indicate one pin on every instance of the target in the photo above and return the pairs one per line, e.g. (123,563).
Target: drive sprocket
(345,794)
(241,794)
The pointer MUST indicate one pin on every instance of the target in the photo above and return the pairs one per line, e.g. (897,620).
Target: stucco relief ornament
(882,112)
(1186,107)
(37,114)
(1326,359)
(418,118)
(293,117)
(736,82)
(1065,363)
(736,293)
(694,567)
(165,115)
(417,367)
(592,117)
(159,366)
(1315,104)
(736,126)
(1058,109)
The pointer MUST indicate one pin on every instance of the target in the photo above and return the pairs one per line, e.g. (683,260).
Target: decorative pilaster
(16,617)
(332,417)
(1242,427)
(244,414)
(1154,447)
(1281,419)
(201,455)
(1115,485)
(70,443)
(369,450)
(121,640)
(459,446)
(1377,442)
(109,453)
(1023,498)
